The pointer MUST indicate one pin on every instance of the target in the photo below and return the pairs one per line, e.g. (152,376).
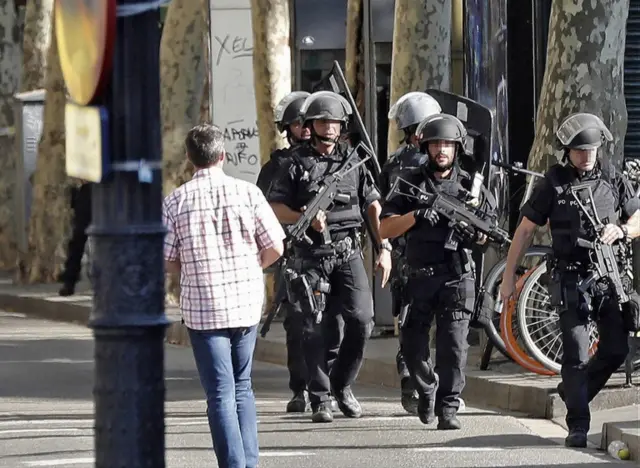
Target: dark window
(382,14)
(320,24)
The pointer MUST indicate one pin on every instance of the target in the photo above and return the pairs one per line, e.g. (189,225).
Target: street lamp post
(128,317)
(128,314)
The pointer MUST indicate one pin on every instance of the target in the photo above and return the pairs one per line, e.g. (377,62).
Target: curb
(627,432)
(519,393)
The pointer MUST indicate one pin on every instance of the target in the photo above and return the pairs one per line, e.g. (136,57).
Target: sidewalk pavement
(505,386)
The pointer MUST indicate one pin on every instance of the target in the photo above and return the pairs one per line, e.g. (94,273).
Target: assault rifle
(604,258)
(326,194)
(278,299)
(462,217)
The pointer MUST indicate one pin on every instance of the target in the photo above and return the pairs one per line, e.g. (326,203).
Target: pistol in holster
(308,292)
(566,294)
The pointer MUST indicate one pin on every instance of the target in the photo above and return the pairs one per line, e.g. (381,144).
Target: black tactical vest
(566,220)
(425,243)
(405,158)
(342,215)
(271,169)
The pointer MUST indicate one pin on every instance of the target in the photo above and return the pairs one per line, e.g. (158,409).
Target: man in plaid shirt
(221,234)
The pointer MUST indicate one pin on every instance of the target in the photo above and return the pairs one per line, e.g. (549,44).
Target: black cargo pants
(350,297)
(584,377)
(449,299)
(81,207)
(293,326)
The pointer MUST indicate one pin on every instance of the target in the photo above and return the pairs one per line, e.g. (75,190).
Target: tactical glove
(429,215)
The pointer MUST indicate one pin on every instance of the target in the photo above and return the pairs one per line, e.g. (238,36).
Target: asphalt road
(46,378)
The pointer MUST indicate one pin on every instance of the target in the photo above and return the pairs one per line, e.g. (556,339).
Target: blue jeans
(224,358)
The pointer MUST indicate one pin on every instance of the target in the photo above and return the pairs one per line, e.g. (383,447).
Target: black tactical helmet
(325,105)
(582,131)
(287,111)
(441,127)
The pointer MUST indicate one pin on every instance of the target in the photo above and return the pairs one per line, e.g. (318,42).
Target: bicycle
(489,291)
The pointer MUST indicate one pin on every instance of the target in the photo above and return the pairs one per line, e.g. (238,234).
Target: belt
(347,246)
(431,270)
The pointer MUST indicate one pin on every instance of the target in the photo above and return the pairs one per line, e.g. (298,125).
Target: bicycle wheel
(512,335)
(491,289)
(539,323)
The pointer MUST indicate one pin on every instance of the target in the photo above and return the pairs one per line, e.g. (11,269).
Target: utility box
(29,109)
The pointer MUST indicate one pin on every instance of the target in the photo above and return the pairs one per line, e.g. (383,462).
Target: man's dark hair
(205,145)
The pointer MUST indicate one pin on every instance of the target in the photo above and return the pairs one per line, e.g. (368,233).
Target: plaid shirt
(217,225)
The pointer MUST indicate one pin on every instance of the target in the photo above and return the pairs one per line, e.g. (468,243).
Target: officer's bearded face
(300,132)
(583,159)
(441,154)
(327,130)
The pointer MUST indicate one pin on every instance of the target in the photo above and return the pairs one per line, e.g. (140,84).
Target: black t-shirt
(539,206)
(550,203)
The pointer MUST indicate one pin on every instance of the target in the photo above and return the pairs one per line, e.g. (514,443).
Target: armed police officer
(287,120)
(335,270)
(583,199)
(411,109)
(439,268)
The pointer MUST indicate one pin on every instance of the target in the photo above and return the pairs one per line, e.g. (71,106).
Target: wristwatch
(386,245)
(625,231)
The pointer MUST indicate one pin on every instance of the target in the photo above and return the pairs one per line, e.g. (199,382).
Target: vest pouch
(483,311)
(459,297)
(555,291)
(574,299)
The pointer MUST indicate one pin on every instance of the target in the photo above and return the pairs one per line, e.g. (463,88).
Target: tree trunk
(37,38)
(271,67)
(421,55)
(50,219)
(271,76)
(354,53)
(9,82)
(584,73)
(183,72)
(182,80)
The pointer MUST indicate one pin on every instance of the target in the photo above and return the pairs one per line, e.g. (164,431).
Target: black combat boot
(297,404)
(408,396)
(348,403)
(427,408)
(448,421)
(67,289)
(322,413)
(577,438)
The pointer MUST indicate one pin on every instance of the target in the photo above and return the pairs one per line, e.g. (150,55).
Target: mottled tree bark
(37,38)
(50,219)
(182,81)
(271,67)
(354,53)
(584,73)
(183,73)
(421,51)
(9,82)
(271,76)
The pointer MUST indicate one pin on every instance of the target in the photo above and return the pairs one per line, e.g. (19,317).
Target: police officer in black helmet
(555,199)
(337,268)
(287,119)
(440,272)
(411,109)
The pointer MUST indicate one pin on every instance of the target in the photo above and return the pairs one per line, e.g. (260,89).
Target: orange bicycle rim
(506,330)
